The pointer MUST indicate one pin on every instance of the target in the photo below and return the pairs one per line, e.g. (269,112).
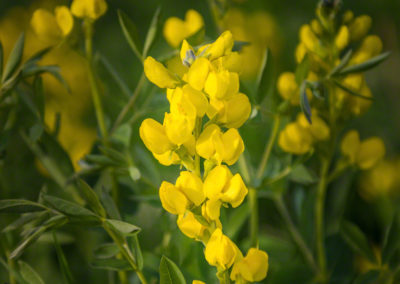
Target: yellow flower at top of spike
(91,9)
(176,30)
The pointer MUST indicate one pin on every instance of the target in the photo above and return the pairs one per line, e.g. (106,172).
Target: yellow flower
(189,225)
(154,137)
(230,113)
(342,38)
(295,139)
(221,185)
(316,27)
(172,199)
(168,158)
(220,251)
(300,52)
(371,46)
(192,186)
(232,62)
(222,85)
(319,129)
(92,9)
(288,88)
(364,154)
(198,282)
(359,105)
(197,98)
(175,30)
(222,46)
(158,74)
(198,73)
(211,209)
(360,27)
(348,16)
(51,27)
(178,127)
(214,145)
(253,267)
(308,38)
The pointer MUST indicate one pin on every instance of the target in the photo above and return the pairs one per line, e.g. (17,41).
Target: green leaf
(343,62)
(302,70)
(392,239)
(20,206)
(368,278)
(106,251)
(151,33)
(301,174)
(36,131)
(265,78)
(350,91)
(130,33)
(117,78)
(54,70)
(38,55)
(116,156)
(91,198)
(15,58)
(304,103)
(137,251)
(356,239)
(64,267)
(109,204)
(122,227)
(374,61)
(111,264)
(170,273)
(23,220)
(67,207)
(29,274)
(57,220)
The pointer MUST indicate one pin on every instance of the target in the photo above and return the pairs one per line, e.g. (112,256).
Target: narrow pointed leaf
(15,58)
(109,205)
(20,206)
(91,198)
(151,33)
(356,239)
(375,61)
(392,239)
(122,227)
(304,103)
(106,251)
(130,33)
(238,45)
(350,91)
(170,273)
(265,78)
(137,251)
(29,274)
(302,70)
(64,267)
(111,264)
(67,207)
(343,62)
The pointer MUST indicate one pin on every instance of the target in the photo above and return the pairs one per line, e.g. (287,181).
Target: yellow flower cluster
(208,90)
(299,137)
(364,154)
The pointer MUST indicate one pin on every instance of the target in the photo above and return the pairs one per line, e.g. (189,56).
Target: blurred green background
(21,177)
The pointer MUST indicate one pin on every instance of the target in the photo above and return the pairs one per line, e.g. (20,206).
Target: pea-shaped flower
(295,139)
(221,185)
(288,88)
(371,46)
(192,186)
(252,268)
(222,84)
(172,199)
(189,225)
(342,38)
(92,9)
(222,46)
(154,136)
(198,73)
(308,38)
(220,250)
(364,154)
(158,74)
(360,27)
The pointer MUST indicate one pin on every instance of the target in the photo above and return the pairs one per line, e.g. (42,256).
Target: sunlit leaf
(170,273)
(15,58)
(151,33)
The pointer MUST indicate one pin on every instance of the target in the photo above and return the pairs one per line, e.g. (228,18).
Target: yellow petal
(45,26)
(211,209)
(197,98)
(233,146)
(198,73)
(235,192)
(216,182)
(220,251)
(168,158)
(342,37)
(288,88)
(189,225)
(371,151)
(253,267)
(209,143)
(154,137)
(222,46)
(64,19)
(350,145)
(236,111)
(158,74)
(192,186)
(178,128)
(92,9)
(172,199)
(295,139)
(360,27)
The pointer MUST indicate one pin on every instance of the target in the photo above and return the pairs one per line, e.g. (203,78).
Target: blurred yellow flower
(359,27)
(253,267)
(176,30)
(92,9)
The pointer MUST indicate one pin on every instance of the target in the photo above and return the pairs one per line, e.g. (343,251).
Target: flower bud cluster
(206,108)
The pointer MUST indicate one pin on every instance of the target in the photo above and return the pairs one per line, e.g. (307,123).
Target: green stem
(319,218)
(92,80)
(253,200)
(224,277)
(130,103)
(297,238)
(268,147)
